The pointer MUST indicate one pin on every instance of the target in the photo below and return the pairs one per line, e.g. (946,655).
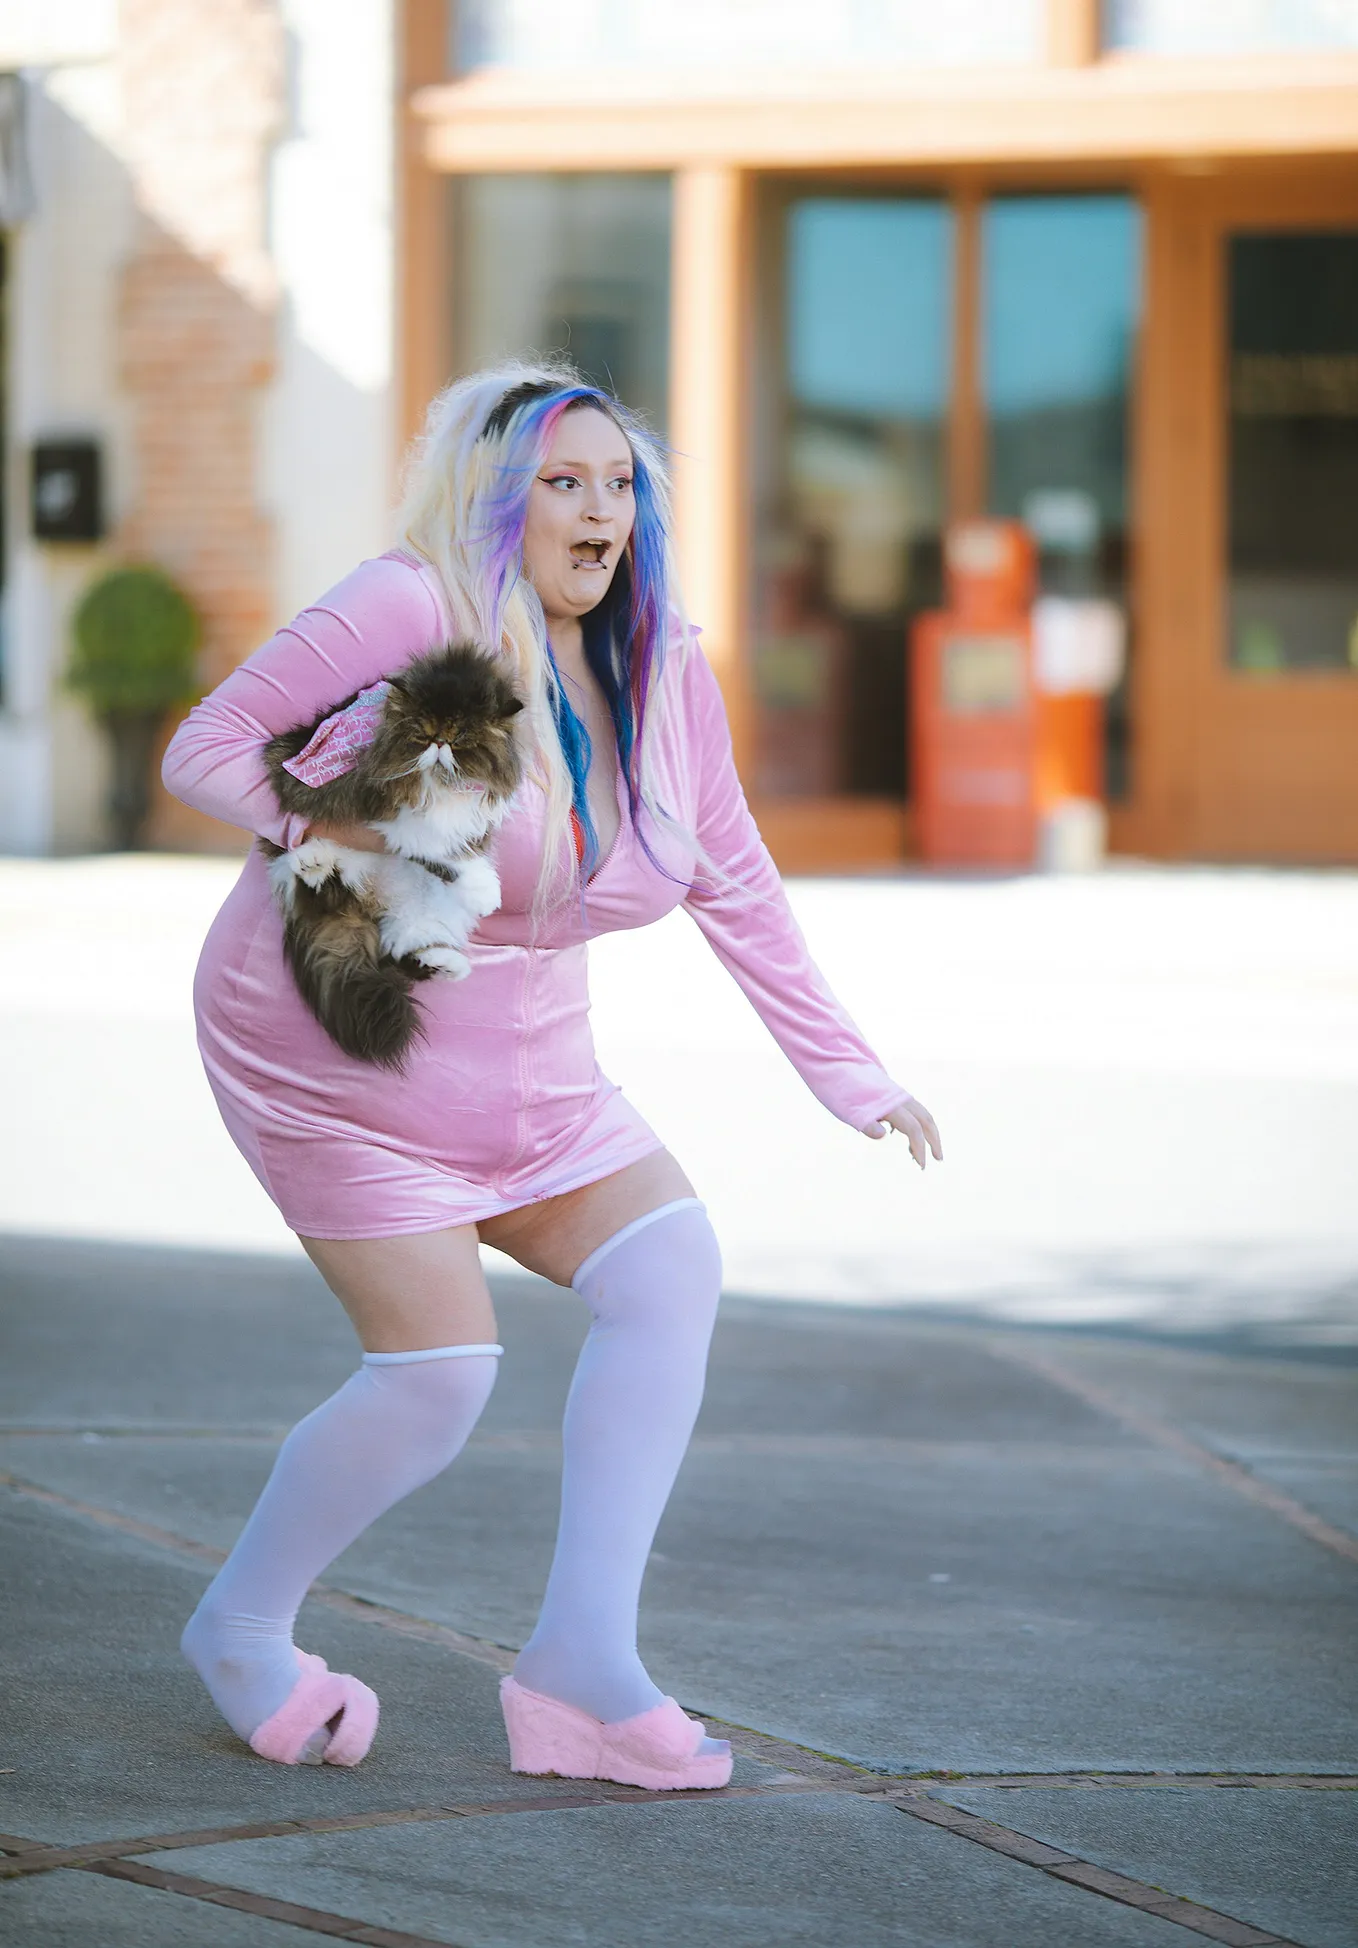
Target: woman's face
(580,513)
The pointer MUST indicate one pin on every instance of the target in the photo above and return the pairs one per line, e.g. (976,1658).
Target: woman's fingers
(916,1125)
(930,1128)
(908,1124)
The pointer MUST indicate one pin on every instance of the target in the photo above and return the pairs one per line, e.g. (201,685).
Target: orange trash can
(975,718)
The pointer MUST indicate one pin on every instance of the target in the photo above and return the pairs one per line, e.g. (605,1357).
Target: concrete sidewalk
(1018,1548)
(1001,1621)
(1147,1083)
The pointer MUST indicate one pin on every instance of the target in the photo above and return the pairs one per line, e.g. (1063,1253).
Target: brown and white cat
(429,759)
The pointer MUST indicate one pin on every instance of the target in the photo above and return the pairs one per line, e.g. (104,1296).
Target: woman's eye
(562,480)
(622,482)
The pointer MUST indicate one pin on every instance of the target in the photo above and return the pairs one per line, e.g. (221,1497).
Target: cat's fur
(361,928)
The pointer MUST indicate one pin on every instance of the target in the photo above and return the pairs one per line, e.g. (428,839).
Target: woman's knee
(432,1398)
(666,1264)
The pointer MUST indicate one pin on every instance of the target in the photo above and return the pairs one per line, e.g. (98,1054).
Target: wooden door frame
(1226,765)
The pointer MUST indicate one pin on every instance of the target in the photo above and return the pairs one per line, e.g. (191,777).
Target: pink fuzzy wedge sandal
(657,1749)
(319,1696)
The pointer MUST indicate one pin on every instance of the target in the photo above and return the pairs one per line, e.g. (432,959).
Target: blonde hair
(463,509)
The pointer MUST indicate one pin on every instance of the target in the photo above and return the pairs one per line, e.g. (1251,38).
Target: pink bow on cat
(335,744)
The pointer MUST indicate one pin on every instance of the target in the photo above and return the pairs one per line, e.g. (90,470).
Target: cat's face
(476,755)
(448,724)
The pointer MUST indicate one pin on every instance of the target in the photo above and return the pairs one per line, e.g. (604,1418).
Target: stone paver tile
(726,1874)
(74,1910)
(1277,1859)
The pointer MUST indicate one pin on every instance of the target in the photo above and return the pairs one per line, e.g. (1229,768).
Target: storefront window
(1228,26)
(578,264)
(849,529)
(718,34)
(1292,434)
(1061,281)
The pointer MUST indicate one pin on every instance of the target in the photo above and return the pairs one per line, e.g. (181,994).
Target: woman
(536,521)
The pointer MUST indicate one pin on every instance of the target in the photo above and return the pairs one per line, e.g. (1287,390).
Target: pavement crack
(33,1857)
(263,1908)
(116,1859)
(108,1518)
(1077,1872)
(25,1857)
(1233,1474)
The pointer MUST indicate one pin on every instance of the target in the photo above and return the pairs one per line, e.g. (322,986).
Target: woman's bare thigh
(404,1295)
(555,1236)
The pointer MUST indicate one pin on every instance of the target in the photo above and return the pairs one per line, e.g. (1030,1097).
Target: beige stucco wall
(207,287)
(62,378)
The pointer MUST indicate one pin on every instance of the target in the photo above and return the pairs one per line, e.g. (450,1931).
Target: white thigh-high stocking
(392,1426)
(653,1289)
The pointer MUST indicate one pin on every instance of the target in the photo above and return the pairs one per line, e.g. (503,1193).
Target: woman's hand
(915,1124)
(361,838)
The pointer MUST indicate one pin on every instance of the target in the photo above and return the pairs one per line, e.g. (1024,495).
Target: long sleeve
(743,911)
(369,624)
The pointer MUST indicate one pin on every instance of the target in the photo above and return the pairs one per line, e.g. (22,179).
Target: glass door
(853,494)
(1291,432)
(1060,311)
(868,366)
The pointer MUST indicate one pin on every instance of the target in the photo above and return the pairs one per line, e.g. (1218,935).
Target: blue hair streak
(625,636)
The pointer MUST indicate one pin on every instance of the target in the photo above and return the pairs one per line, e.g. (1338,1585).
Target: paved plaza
(1017,1553)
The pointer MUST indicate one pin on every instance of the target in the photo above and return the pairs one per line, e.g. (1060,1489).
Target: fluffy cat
(430,760)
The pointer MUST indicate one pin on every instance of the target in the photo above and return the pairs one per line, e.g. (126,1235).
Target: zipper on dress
(522,1075)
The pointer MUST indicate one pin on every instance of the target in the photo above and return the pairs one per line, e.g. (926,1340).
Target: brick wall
(202,84)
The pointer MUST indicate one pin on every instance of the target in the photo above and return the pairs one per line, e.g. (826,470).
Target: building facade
(870,265)
(876,267)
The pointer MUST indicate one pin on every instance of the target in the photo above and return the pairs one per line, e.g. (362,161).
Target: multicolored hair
(465,511)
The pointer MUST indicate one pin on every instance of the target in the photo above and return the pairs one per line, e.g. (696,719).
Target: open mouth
(590,554)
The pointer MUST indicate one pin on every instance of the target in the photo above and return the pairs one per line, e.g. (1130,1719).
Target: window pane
(1060,311)
(852,503)
(1293,444)
(1228,26)
(717,34)
(574,264)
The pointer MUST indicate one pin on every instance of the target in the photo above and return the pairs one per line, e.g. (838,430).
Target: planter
(132,736)
(135,638)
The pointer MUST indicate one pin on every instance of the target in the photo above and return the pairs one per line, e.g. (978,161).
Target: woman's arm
(742,909)
(372,622)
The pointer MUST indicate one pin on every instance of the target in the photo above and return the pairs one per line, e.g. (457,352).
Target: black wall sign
(67,498)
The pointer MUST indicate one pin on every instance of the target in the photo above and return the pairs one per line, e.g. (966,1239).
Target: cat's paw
(314,861)
(447,961)
(478,886)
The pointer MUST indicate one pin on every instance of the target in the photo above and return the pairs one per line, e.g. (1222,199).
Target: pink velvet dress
(503,1103)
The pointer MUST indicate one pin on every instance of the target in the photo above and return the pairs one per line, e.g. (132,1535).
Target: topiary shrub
(136,637)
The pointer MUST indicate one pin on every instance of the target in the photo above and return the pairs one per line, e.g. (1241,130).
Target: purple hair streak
(625,635)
